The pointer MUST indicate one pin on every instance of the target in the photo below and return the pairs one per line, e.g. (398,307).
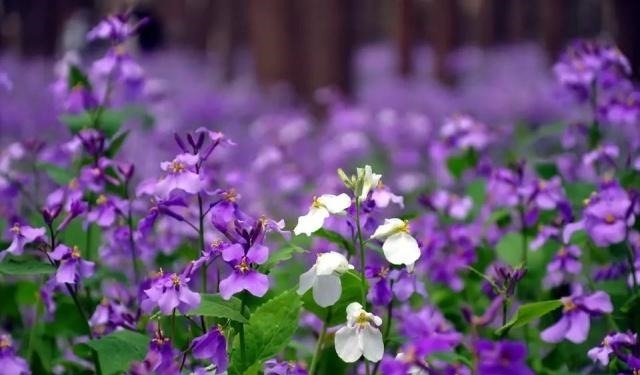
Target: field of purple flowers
(156,220)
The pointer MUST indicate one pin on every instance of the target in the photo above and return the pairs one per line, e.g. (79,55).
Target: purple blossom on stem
(576,316)
(170,292)
(275,367)
(613,343)
(72,268)
(244,275)
(10,363)
(180,175)
(22,235)
(212,346)
(565,261)
(502,358)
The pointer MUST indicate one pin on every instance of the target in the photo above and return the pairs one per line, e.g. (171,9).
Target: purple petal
(233,252)
(256,283)
(598,302)
(231,285)
(168,301)
(579,327)
(258,254)
(556,332)
(66,272)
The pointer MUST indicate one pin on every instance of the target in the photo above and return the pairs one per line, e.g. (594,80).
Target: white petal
(311,222)
(331,262)
(335,203)
(369,180)
(347,344)
(372,345)
(327,290)
(353,309)
(401,248)
(307,280)
(388,228)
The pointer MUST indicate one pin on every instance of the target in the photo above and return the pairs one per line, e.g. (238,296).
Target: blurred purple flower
(22,235)
(72,268)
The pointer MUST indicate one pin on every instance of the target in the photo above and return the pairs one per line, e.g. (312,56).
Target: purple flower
(10,363)
(544,234)
(611,343)
(109,316)
(566,261)
(244,275)
(606,217)
(607,153)
(585,62)
(451,204)
(544,194)
(502,188)
(380,291)
(180,176)
(428,330)
(159,359)
(275,367)
(172,291)
(72,267)
(462,132)
(502,358)
(212,346)
(5,82)
(575,322)
(105,212)
(22,235)
(115,28)
(383,196)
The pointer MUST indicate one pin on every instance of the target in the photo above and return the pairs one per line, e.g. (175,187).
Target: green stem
(32,334)
(243,355)
(173,325)
(362,257)
(505,306)
(321,338)
(631,259)
(525,245)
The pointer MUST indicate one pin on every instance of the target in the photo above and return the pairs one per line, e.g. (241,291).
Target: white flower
(324,277)
(360,336)
(320,209)
(398,247)
(368,180)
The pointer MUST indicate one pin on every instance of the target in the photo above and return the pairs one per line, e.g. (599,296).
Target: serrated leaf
(270,328)
(336,238)
(25,267)
(529,312)
(509,248)
(351,292)
(213,305)
(118,350)
(59,175)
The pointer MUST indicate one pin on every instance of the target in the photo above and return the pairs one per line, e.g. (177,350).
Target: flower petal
(347,344)
(579,327)
(372,345)
(401,248)
(311,222)
(556,332)
(388,228)
(335,203)
(307,280)
(327,290)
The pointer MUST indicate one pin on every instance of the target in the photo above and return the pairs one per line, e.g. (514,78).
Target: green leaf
(351,292)
(547,170)
(577,192)
(118,350)
(59,175)
(15,267)
(116,144)
(529,312)
(109,121)
(509,248)
(458,164)
(284,253)
(77,78)
(451,357)
(337,239)
(270,329)
(212,305)
(75,123)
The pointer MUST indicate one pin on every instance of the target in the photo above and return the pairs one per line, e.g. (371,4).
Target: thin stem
(631,259)
(32,335)
(201,242)
(319,344)
(387,327)
(243,355)
(505,306)
(362,257)
(525,245)
(132,242)
(173,325)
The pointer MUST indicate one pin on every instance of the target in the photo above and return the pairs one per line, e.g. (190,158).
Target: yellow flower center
(316,203)
(102,199)
(609,219)
(568,304)
(176,167)
(5,342)
(243,266)
(384,272)
(75,252)
(15,228)
(175,279)
(73,184)
(362,320)
(230,195)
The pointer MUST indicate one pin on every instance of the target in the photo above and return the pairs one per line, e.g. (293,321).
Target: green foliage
(509,248)
(77,78)
(337,239)
(283,253)
(527,313)
(212,305)
(59,175)
(25,267)
(458,164)
(118,350)
(270,328)
(351,292)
